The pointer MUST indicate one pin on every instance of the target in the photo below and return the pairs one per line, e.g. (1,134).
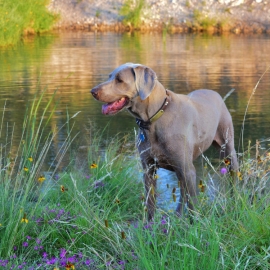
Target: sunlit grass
(132,12)
(18,18)
(94,218)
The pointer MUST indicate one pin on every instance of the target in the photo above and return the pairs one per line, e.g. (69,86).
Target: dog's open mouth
(115,107)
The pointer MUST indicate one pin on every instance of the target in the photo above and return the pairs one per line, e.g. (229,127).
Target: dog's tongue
(114,107)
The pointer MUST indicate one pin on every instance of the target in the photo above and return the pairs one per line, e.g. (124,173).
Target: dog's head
(125,83)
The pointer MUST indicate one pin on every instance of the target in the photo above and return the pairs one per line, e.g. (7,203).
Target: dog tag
(142,137)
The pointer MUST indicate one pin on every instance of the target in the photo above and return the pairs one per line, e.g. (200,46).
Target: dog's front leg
(188,193)
(150,190)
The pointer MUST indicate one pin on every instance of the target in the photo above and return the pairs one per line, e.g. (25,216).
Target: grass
(132,12)
(204,20)
(95,218)
(18,18)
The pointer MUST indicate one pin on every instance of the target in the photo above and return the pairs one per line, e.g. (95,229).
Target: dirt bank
(238,16)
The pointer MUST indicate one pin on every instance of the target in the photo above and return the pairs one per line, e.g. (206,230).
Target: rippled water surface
(75,62)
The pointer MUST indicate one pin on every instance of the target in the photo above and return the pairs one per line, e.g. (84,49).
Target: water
(74,62)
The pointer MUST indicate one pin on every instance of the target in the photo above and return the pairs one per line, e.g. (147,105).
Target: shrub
(132,12)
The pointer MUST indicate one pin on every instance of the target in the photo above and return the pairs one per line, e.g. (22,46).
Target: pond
(74,62)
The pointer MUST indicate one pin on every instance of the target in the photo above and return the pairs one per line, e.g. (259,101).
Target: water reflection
(75,62)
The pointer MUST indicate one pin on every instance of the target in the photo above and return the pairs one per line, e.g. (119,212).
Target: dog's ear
(145,79)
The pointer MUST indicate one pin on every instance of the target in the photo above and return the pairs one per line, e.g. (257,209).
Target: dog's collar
(146,124)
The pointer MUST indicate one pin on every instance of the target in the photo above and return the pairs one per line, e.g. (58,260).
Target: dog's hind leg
(224,142)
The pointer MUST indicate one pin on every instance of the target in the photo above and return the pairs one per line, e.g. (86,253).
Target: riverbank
(237,16)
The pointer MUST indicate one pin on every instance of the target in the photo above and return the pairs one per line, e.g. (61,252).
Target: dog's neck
(156,99)
(145,109)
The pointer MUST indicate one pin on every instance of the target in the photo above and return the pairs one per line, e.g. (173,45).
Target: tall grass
(18,18)
(94,218)
(132,12)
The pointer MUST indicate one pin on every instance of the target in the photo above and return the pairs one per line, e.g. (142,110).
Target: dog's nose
(94,92)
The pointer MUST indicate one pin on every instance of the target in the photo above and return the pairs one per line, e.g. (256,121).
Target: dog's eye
(118,79)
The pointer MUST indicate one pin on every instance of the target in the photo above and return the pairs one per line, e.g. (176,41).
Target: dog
(174,129)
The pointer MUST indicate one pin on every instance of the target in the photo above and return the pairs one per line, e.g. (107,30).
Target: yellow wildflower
(63,189)
(70,266)
(227,162)
(24,219)
(239,174)
(93,165)
(41,179)
(201,186)
(30,159)
(25,169)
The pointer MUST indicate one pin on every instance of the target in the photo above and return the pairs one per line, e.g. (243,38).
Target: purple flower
(38,241)
(62,253)
(148,225)
(44,255)
(28,237)
(98,184)
(71,259)
(56,177)
(25,244)
(134,255)
(51,261)
(88,262)
(163,220)
(35,247)
(165,231)
(14,248)
(223,170)
(3,262)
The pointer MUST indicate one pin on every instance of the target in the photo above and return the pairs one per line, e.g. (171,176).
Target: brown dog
(174,129)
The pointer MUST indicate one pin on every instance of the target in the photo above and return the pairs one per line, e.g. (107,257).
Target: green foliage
(21,17)
(203,20)
(98,13)
(132,12)
(98,213)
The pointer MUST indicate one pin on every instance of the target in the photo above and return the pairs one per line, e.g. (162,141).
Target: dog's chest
(156,145)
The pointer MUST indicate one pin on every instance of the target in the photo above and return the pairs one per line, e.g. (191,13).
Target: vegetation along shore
(28,17)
